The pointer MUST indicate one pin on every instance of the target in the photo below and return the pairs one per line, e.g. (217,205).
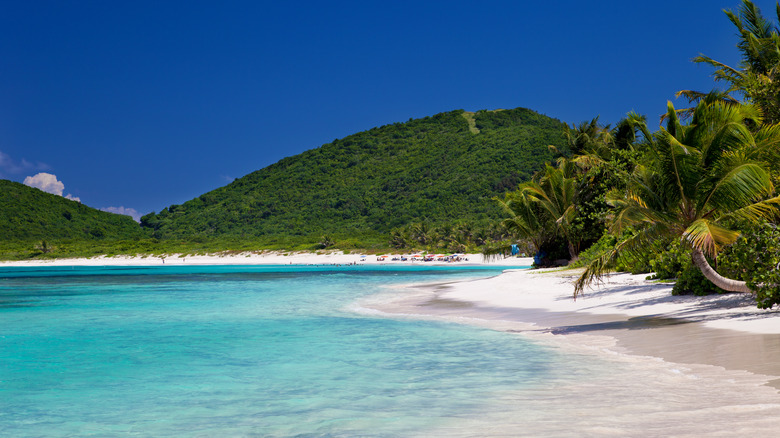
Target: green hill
(28,214)
(444,168)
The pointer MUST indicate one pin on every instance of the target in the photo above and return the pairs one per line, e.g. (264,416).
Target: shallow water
(280,351)
(238,351)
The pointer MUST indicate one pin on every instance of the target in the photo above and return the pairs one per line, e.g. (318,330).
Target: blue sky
(143,104)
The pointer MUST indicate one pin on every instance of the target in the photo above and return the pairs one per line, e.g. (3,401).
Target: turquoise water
(241,351)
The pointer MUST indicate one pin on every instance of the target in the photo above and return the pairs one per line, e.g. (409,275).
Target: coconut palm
(555,192)
(586,136)
(397,239)
(696,182)
(422,232)
(758,75)
(523,220)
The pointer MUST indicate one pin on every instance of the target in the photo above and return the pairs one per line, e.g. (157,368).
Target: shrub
(670,263)
(691,281)
(755,258)
(606,242)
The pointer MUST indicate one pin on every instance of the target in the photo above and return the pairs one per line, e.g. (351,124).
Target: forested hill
(444,168)
(29,214)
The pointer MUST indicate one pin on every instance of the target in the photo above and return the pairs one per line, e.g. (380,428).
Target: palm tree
(548,199)
(586,136)
(593,145)
(421,232)
(523,220)
(556,191)
(758,75)
(696,183)
(397,239)
(326,242)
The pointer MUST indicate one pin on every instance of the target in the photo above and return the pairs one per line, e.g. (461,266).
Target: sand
(265,258)
(640,316)
(680,366)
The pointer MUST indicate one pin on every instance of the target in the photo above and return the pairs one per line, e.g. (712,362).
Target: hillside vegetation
(28,214)
(436,168)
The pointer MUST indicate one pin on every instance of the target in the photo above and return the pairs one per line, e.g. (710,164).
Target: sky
(134,106)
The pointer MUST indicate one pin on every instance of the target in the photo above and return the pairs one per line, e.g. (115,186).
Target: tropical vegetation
(436,170)
(424,184)
(29,214)
(696,200)
(696,183)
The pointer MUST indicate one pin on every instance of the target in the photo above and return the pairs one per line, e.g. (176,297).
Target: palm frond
(768,209)
(605,262)
(596,270)
(494,253)
(726,72)
(708,236)
(741,186)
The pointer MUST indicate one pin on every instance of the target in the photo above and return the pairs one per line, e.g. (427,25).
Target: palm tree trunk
(572,253)
(722,282)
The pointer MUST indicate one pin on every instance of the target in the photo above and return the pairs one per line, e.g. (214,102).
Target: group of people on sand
(425,258)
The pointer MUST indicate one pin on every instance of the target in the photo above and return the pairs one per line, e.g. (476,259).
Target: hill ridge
(28,214)
(370,182)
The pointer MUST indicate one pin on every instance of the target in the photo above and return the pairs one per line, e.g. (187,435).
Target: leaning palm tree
(696,183)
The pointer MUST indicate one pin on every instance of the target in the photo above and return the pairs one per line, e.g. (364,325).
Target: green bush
(692,282)
(671,262)
(606,242)
(675,263)
(755,258)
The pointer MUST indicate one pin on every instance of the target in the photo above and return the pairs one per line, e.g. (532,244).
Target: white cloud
(46,182)
(125,211)
(49,184)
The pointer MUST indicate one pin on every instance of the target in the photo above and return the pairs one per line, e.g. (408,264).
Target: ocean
(281,351)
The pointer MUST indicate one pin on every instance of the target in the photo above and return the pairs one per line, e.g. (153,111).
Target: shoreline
(265,258)
(662,365)
(629,358)
(626,315)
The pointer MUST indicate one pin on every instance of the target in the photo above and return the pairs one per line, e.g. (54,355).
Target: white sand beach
(725,330)
(263,258)
(624,294)
(683,365)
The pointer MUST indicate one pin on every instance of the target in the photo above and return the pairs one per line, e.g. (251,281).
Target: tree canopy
(29,214)
(436,168)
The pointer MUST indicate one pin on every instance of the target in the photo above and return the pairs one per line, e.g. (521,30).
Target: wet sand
(643,318)
(640,362)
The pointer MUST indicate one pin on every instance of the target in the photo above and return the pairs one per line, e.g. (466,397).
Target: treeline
(458,237)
